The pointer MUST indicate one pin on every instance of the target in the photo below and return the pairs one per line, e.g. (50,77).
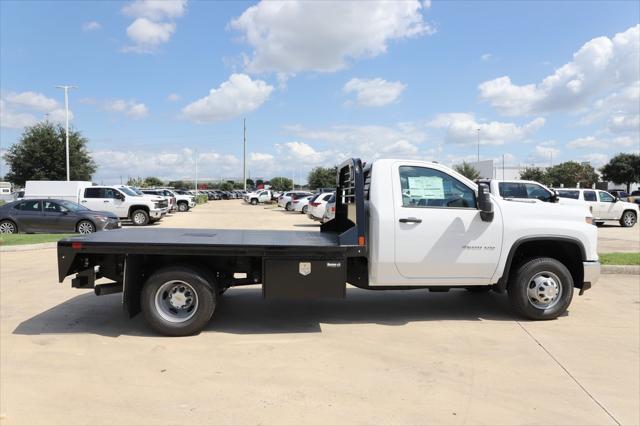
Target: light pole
(196,181)
(244,155)
(66,131)
(478,129)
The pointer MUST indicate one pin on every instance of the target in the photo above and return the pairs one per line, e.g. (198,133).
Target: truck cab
(123,202)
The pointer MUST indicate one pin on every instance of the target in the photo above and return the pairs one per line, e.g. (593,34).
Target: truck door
(592,203)
(607,206)
(93,199)
(116,202)
(439,235)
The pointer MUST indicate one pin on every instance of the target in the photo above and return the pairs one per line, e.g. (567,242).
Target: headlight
(101,218)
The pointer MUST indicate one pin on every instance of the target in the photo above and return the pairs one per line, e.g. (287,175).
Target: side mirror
(120,197)
(484,204)
(554,197)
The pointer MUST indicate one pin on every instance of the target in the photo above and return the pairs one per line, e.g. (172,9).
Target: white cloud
(545,153)
(600,66)
(238,95)
(462,128)
(91,26)
(369,142)
(259,157)
(18,110)
(14,120)
(156,10)
(596,159)
(130,108)
(624,123)
(173,97)
(166,164)
(148,35)
(32,100)
(603,143)
(486,57)
(153,24)
(374,92)
(295,36)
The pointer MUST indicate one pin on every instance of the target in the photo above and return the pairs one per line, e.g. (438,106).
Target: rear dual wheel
(178,301)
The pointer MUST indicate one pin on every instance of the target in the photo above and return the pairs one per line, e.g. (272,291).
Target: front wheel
(541,289)
(183,207)
(628,219)
(8,227)
(254,201)
(140,218)
(288,207)
(305,209)
(86,227)
(178,301)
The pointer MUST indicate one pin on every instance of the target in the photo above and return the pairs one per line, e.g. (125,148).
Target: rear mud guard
(132,284)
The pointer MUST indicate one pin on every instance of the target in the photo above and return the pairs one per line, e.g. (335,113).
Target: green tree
(250,183)
(570,174)
(40,155)
(180,184)
(152,181)
(323,177)
(226,186)
(535,174)
(622,169)
(467,170)
(280,183)
(136,182)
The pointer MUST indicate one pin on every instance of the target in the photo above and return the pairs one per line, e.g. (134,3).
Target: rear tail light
(76,246)
(296,202)
(314,204)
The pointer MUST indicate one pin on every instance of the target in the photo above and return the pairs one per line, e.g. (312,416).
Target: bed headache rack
(349,220)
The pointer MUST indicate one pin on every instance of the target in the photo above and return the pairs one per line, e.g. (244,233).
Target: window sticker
(429,187)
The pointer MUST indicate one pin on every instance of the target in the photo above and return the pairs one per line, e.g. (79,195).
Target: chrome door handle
(83,201)
(410,220)
(105,201)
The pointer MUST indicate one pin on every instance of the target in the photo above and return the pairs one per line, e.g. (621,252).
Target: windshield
(71,206)
(136,191)
(128,191)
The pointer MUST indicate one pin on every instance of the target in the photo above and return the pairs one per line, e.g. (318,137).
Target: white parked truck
(398,225)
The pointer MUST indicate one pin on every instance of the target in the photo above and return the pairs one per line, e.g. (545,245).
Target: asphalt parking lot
(412,357)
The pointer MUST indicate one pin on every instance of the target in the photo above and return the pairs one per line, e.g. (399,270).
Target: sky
(163,83)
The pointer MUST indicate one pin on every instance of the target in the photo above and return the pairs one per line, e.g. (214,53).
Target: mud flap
(132,284)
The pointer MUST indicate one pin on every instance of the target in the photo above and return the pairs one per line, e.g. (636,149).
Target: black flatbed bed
(227,241)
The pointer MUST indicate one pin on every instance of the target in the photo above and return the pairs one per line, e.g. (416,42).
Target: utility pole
(196,172)
(66,107)
(244,155)
(478,146)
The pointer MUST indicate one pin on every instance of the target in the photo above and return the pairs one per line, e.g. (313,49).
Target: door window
(93,193)
(605,197)
(512,190)
(568,194)
(425,187)
(537,192)
(110,193)
(50,207)
(29,206)
(589,195)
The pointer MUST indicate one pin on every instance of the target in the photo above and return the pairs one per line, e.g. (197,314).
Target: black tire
(628,219)
(599,224)
(479,289)
(305,209)
(288,206)
(521,282)
(140,217)
(205,297)
(183,207)
(254,201)
(85,227)
(8,227)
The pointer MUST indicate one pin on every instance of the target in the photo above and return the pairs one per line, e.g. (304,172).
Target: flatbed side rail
(350,218)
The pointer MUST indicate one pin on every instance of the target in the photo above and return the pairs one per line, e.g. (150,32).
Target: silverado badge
(304,268)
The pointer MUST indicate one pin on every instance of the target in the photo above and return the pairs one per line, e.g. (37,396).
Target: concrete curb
(28,247)
(621,269)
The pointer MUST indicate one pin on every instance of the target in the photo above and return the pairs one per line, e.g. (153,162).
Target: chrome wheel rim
(7,228)
(85,228)
(544,290)
(139,218)
(182,207)
(629,219)
(176,301)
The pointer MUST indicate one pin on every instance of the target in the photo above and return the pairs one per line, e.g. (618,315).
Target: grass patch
(19,239)
(619,258)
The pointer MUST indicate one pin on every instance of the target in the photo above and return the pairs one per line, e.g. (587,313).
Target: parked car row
(319,206)
(216,194)
(78,206)
(604,206)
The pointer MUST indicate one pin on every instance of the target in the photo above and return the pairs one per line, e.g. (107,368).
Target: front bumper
(112,224)
(591,274)
(192,204)
(157,214)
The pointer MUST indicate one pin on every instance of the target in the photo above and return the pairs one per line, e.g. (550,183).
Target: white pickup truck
(259,196)
(398,225)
